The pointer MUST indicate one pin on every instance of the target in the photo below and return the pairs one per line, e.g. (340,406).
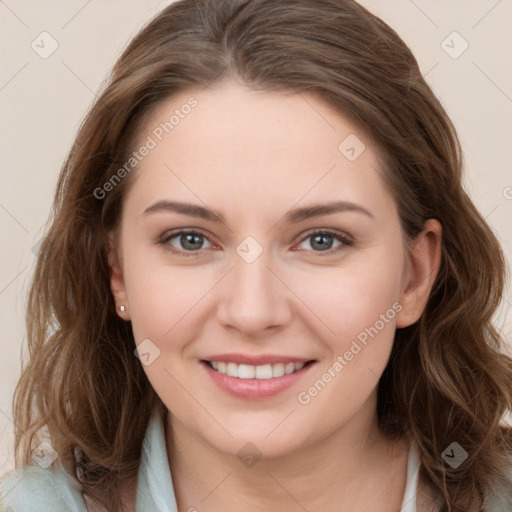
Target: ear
(420,274)
(117,285)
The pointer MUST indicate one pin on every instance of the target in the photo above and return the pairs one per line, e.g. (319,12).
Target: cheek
(353,297)
(361,313)
(161,295)
(165,307)
(163,299)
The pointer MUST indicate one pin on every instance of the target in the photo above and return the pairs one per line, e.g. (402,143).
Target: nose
(254,299)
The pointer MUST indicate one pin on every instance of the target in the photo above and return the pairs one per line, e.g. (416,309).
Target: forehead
(255,147)
(233,117)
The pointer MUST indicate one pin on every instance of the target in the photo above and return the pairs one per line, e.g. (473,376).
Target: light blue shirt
(34,489)
(53,490)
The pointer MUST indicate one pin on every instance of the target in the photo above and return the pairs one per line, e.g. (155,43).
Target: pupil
(189,240)
(322,245)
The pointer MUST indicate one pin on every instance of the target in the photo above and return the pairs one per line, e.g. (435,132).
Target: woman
(264,286)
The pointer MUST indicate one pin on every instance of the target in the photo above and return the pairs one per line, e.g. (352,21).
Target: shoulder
(45,490)
(500,499)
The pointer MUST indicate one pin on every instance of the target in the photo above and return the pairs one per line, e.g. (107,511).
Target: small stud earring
(122,309)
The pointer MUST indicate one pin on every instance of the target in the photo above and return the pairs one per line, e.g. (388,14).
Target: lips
(255,377)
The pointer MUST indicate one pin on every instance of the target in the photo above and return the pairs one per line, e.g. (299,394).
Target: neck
(348,470)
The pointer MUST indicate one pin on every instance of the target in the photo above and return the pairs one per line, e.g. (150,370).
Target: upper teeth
(248,371)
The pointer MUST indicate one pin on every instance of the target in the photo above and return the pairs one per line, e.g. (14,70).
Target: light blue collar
(155,491)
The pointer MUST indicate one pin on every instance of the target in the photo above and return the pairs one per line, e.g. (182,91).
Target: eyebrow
(293,216)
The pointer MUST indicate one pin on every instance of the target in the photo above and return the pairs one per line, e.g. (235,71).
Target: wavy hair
(448,378)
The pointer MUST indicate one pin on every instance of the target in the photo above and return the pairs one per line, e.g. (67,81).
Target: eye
(188,242)
(323,241)
(182,242)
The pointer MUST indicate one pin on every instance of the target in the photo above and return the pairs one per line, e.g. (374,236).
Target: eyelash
(345,240)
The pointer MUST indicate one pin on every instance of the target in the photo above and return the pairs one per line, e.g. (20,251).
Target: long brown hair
(447,380)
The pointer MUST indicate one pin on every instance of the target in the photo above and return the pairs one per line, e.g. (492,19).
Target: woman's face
(285,250)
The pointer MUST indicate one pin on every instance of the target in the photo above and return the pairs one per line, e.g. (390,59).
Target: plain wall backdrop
(55,55)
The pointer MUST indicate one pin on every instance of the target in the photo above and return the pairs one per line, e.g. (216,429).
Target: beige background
(43,101)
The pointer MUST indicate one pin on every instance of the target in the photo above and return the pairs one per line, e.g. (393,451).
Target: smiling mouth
(261,372)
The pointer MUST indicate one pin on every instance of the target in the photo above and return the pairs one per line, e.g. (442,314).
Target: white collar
(411,486)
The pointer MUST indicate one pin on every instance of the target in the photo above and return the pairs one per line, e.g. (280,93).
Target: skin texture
(252,156)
